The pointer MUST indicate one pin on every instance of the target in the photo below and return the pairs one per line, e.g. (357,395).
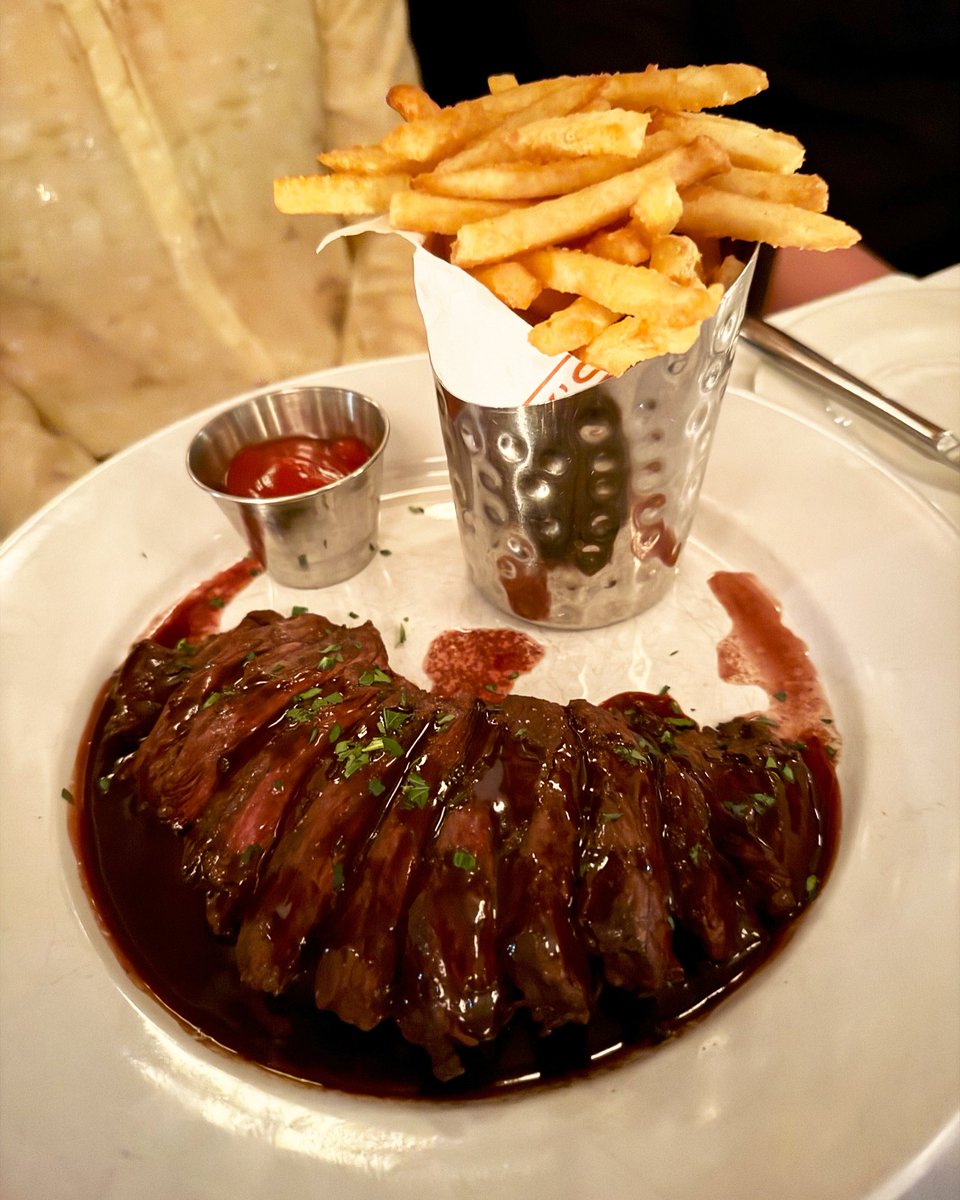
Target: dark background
(870,89)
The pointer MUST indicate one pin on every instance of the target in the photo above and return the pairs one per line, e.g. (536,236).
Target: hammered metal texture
(574,513)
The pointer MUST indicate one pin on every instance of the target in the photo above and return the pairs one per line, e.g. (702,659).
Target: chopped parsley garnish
(630,755)
(813,882)
(415,508)
(338,879)
(608,817)
(216,602)
(445,719)
(416,791)
(309,704)
(66,794)
(781,696)
(374,675)
(464,860)
(391,719)
(298,610)
(759,803)
(376,787)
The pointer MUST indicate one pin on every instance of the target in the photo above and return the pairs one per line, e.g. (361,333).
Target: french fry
(709,212)
(658,208)
(522,180)
(510,282)
(678,258)
(636,291)
(806,191)
(341,194)
(500,83)
(580,213)
(685,89)
(493,146)
(628,244)
(366,160)
(727,272)
(419,212)
(611,131)
(411,102)
(632,340)
(429,139)
(747,145)
(571,327)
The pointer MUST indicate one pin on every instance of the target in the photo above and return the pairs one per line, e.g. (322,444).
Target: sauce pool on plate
(292,464)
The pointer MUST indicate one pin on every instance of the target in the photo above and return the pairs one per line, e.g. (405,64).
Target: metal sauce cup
(319,537)
(574,513)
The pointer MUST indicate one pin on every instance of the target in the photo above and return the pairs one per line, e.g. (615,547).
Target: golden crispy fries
(493,146)
(637,291)
(611,131)
(806,191)
(685,89)
(678,258)
(632,340)
(598,206)
(366,160)
(510,282)
(429,139)
(500,83)
(709,212)
(571,327)
(342,194)
(411,102)
(658,208)
(521,180)
(727,272)
(419,212)
(747,145)
(580,213)
(628,244)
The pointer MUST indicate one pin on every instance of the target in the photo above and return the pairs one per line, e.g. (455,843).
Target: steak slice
(450,978)
(762,796)
(624,898)
(316,859)
(544,957)
(216,716)
(357,971)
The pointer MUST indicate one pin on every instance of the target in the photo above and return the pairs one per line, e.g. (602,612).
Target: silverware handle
(804,362)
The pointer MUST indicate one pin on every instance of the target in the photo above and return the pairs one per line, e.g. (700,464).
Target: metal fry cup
(318,537)
(574,513)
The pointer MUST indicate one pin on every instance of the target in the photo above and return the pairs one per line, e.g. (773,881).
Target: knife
(806,364)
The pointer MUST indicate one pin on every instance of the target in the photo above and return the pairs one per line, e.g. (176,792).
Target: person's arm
(798,276)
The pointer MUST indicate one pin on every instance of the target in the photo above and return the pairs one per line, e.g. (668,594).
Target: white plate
(904,341)
(832,1074)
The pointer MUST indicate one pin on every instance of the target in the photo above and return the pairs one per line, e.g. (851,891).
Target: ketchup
(291,465)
